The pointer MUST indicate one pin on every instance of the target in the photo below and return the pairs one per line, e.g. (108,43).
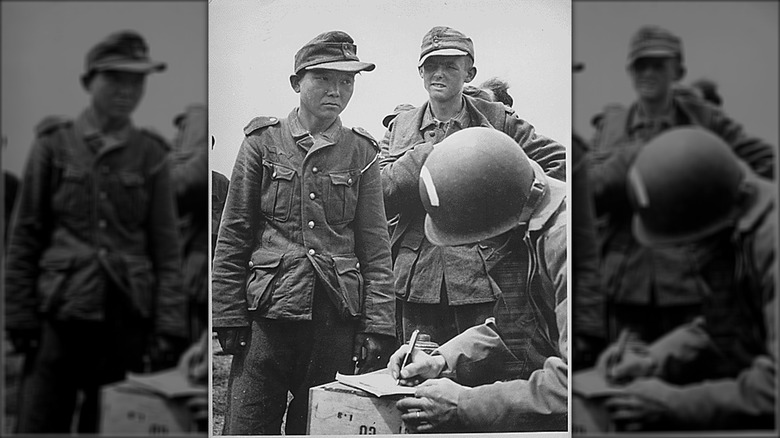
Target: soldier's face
(116,94)
(325,93)
(444,76)
(653,77)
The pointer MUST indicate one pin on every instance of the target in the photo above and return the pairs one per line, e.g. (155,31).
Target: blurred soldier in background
(650,290)
(498,88)
(504,383)
(93,262)
(445,290)
(691,195)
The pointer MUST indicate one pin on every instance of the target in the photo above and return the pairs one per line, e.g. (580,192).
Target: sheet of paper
(591,383)
(378,383)
(170,383)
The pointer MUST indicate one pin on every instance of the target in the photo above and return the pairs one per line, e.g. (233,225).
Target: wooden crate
(337,409)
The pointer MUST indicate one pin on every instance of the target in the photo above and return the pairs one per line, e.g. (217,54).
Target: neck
(313,124)
(445,110)
(657,107)
(107,123)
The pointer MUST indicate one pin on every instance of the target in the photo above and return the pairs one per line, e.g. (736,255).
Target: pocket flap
(56,264)
(131,179)
(280,172)
(265,260)
(74,173)
(346,264)
(343,179)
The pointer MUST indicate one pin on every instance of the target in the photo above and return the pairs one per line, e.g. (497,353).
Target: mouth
(331,105)
(438,86)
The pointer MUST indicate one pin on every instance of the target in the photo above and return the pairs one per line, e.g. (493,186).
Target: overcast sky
(43,50)
(252,45)
(732,43)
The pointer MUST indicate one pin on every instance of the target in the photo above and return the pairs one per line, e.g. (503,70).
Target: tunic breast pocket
(129,197)
(278,190)
(342,197)
(72,196)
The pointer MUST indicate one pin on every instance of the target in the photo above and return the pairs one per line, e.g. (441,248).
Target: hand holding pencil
(626,360)
(409,365)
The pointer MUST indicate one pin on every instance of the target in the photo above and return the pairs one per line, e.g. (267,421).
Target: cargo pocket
(52,282)
(342,197)
(350,298)
(278,191)
(260,283)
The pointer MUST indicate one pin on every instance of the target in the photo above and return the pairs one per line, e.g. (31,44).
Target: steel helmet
(476,184)
(685,184)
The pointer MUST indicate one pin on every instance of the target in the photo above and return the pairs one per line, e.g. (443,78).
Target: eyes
(324,79)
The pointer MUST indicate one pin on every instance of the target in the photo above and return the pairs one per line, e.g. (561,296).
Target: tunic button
(311,252)
(314,170)
(312,195)
(357,265)
(274,175)
(431,134)
(311,224)
(102,223)
(251,264)
(349,181)
(272,119)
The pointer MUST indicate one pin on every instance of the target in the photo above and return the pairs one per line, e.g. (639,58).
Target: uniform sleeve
(30,234)
(550,154)
(607,172)
(541,402)
(400,171)
(236,236)
(372,247)
(163,232)
(759,155)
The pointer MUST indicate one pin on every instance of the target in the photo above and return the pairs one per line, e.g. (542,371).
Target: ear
(680,71)
(86,79)
(420,71)
(295,83)
(472,74)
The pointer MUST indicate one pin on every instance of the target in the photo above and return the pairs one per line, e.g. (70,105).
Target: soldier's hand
(421,366)
(371,350)
(24,341)
(233,340)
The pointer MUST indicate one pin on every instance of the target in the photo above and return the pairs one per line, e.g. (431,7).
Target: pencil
(412,342)
(622,344)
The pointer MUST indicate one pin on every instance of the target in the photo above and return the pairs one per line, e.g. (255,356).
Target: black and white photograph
(389,182)
(106,224)
(675,157)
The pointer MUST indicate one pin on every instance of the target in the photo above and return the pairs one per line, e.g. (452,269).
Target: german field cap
(122,51)
(654,42)
(445,41)
(333,50)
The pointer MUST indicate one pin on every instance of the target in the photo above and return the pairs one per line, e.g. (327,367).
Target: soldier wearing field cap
(93,262)
(651,290)
(301,276)
(445,290)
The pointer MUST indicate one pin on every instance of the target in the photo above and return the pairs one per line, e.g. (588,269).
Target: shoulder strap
(363,133)
(258,123)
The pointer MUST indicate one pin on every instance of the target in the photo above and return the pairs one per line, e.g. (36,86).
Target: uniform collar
(87,125)
(302,136)
(461,119)
(641,120)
